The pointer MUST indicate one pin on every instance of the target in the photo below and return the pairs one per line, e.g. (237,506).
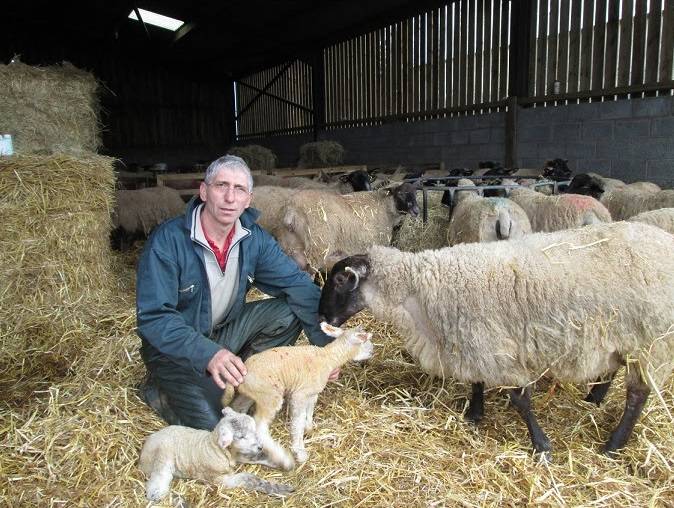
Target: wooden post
(511,133)
(230,113)
(318,91)
(520,29)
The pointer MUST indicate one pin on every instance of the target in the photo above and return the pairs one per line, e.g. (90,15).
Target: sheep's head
(405,199)
(354,337)
(360,180)
(341,296)
(587,185)
(236,432)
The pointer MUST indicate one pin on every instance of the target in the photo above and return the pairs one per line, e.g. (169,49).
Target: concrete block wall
(627,139)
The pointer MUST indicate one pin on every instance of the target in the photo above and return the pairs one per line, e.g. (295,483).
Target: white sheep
(507,313)
(320,228)
(297,374)
(270,201)
(561,211)
(182,452)
(629,201)
(662,218)
(479,219)
(138,212)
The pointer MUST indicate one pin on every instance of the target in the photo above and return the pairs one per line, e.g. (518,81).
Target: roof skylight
(152,18)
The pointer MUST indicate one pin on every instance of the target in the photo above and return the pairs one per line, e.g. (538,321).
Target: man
(192,279)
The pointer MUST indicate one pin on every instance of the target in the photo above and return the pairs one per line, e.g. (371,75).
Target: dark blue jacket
(173,299)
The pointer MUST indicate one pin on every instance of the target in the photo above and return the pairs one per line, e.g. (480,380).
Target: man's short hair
(230,162)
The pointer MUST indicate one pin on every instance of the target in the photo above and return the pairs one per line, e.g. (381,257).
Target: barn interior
(398,87)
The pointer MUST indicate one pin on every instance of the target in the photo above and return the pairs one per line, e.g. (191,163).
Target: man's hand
(334,375)
(226,367)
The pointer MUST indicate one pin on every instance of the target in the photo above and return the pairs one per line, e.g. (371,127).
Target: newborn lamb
(211,456)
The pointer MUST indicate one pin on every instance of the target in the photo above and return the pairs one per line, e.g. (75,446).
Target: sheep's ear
(290,220)
(225,436)
(332,331)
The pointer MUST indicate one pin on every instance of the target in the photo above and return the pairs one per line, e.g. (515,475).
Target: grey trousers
(182,397)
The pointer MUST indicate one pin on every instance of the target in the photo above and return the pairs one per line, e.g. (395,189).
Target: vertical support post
(511,133)
(318,90)
(230,112)
(521,25)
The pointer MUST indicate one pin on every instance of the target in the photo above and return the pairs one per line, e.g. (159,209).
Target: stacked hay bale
(321,154)
(49,109)
(54,254)
(257,157)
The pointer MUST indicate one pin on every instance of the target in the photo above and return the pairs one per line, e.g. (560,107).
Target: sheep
(319,228)
(295,182)
(599,187)
(355,181)
(182,452)
(630,201)
(562,211)
(507,313)
(662,218)
(478,219)
(270,201)
(138,212)
(298,374)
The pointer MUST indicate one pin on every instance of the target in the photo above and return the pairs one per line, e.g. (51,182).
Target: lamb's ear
(332,331)
(363,336)
(228,411)
(225,436)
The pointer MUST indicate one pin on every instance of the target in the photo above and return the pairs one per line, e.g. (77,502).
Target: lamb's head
(360,180)
(587,185)
(237,433)
(405,199)
(341,296)
(359,341)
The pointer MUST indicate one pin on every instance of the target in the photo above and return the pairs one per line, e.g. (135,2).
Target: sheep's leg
(298,420)
(476,406)
(599,390)
(310,413)
(158,483)
(521,399)
(637,394)
(251,482)
(264,415)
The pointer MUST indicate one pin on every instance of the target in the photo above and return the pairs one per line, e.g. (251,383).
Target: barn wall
(627,139)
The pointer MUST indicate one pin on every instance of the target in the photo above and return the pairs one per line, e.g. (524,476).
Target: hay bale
(257,157)
(414,236)
(320,154)
(49,109)
(54,252)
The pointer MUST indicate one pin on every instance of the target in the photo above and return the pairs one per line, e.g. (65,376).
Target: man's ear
(225,436)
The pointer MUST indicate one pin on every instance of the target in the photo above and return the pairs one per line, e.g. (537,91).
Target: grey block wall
(627,139)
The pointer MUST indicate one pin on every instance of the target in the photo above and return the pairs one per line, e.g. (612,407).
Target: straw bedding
(386,434)
(415,236)
(49,109)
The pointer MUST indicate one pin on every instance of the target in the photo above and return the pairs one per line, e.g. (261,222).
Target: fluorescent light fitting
(152,18)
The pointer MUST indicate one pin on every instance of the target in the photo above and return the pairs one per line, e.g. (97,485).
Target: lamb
(662,218)
(298,374)
(478,219)
(210,456)
(137,212)
(562,211)
(451,303)
(320,228)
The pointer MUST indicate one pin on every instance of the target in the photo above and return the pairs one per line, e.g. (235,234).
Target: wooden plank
(458,49)
(293,171)
(422,62)
(389,70)
(418,105)
(504,72)
(541,47)
(574,46)
(487,50)
(667,47)
(397,67)
(653,43)
(625,49)
(563,58)
(442,58)
(495,51)
(479,25)
(611,63)
(470,55)
(638,43)
(586,45)
(435,53)
(599,45)
(409,65)
(666,86)
(553,43)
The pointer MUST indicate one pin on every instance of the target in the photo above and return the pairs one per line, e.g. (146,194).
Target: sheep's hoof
(545,457)
(473,416)
(301,456)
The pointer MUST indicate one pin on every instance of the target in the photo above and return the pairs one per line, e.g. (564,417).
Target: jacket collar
(248,217)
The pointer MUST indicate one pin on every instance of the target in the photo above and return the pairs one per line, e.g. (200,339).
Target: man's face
(226,197)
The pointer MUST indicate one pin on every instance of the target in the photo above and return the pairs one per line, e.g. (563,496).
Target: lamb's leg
(637,394)
(521,399)
(298,420)
(241,404)
(251,482)
(310,413)
(158,483)
(599,390)
(476,406)
(265,411)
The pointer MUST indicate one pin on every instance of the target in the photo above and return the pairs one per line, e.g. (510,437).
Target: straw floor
(386,435)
